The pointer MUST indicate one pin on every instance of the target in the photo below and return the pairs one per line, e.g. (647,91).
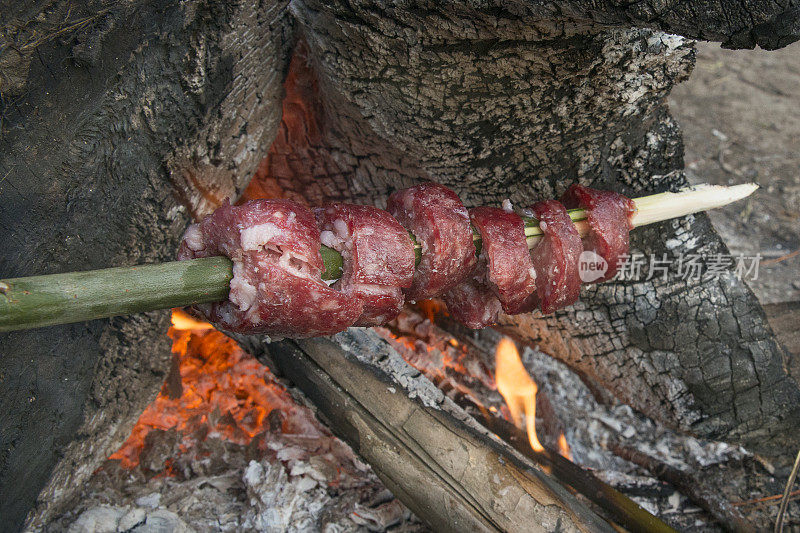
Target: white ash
(590,425)
(112,519)
(367,346)
(151,500)
(374,518)
(290,491)
(300,482)
(281,503)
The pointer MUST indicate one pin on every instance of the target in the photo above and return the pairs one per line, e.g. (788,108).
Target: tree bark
(107,109)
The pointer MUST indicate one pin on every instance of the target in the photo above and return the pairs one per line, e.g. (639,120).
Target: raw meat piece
(555,258)
(436,217)
(276,287)
(510,270)
(609,216)
(473,302)
(504,278)
(378,257)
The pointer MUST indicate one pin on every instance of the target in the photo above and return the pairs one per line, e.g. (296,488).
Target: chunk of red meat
(510,271)
(436,217)
(473,302)
(555,257)
(609,215)
(504,278)
(276,287)
(378,257)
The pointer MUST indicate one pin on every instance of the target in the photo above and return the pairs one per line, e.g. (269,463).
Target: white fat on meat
(329,239)
(338,237)
(295,264)
(194,238)
(341,228)
(243,294)
(374,290)
(256,237)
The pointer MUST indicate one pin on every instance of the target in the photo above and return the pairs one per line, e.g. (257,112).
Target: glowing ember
(517,388)
(431,308)
(224,392)
(299,154)
(445,361)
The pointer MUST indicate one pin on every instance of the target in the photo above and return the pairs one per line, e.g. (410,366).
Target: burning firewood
(434,456)
(64,298)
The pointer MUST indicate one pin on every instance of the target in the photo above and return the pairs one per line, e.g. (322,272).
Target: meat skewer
(74,297)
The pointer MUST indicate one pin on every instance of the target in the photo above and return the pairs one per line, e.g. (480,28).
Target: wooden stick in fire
(433,458)
(77,296)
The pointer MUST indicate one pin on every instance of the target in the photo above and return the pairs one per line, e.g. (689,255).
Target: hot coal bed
(671,391)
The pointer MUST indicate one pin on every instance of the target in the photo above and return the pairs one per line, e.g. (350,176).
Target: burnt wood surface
(427,451)
(114,115)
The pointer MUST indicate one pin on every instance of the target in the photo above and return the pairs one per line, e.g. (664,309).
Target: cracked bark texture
(517,102)
(110,112)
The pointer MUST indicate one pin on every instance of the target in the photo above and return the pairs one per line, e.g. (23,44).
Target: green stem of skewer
(77,296)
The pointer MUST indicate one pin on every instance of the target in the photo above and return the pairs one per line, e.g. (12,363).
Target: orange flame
(218,389)
(517,387)
(563,447)
(431,308)
(181,320)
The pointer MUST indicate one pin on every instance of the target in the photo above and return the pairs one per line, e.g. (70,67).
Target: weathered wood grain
(427,451)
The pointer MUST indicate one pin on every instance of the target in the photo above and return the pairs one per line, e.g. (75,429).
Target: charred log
(689,484)
(107,109)
(428,452)
(499,104)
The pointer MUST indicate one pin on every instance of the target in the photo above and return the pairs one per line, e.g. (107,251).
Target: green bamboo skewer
(78,296)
